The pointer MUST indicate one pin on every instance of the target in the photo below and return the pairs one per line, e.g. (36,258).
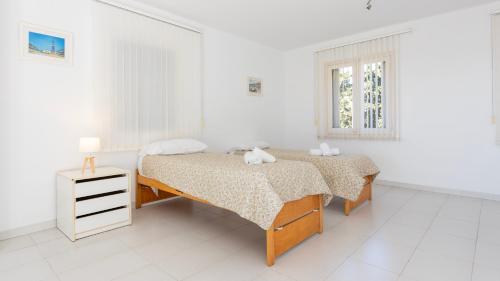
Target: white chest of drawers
(93,203)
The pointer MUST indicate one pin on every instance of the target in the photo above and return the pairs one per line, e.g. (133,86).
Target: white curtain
(495,28)
(147,79)
(384,49)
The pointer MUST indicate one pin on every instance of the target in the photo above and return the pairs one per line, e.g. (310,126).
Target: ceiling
(288,24)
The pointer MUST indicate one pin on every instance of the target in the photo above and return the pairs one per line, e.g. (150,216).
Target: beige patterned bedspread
(344,174)
(255,192)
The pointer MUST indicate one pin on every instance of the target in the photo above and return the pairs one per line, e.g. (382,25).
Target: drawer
(102,203)
(100,220)
(100,186)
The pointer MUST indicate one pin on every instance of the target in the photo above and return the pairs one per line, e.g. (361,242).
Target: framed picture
(254,87)
(46,44)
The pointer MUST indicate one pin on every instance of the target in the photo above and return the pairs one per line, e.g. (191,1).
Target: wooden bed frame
(297,220)
(366,194)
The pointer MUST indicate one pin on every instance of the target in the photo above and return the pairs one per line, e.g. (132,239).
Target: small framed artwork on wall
(45,44)
(254,87)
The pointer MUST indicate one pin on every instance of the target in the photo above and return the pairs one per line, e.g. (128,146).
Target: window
(357,83)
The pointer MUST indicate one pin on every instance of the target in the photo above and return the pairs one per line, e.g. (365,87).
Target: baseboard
(11,233)
(27,229)
(459,192)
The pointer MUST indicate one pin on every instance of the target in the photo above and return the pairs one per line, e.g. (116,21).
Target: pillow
(250,146)
(173,146)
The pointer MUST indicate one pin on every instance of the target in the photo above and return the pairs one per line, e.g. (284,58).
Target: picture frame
(254,87)
(39,43)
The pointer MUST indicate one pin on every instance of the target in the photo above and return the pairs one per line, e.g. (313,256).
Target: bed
(285,198)
(349,177)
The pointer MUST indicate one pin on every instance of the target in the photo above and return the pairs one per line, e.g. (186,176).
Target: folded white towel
(251,158)
(315,152)
(266,157)
(325,148)
(334,151)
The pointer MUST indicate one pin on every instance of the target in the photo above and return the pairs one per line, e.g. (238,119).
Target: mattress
(344,174)
(255,192)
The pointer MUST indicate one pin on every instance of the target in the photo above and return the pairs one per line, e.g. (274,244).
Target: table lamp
(89,146)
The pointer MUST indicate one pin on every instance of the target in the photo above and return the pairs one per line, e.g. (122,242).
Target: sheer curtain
(147,79)
(495,29)
(382,53)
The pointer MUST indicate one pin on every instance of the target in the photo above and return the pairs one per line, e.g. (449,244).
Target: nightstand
(93,203)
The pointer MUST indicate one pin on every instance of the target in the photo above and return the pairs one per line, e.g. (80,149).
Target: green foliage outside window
(373,102)
(345,98)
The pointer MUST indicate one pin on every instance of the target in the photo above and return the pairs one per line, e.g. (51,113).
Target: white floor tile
(432,267)
(33,271)
(356,270)
(16,243)
(189,261)
(80,256)
(55,247)
(163,248)
(19,257)
(106,269)
(243,266)
(489,234)
(448,245)
(460,228)
(271,275)
(490,219)
(402,234)
(386,255)
(464,202)
(380,190)
(47,235)
(318,257)
(485,273)
(240,238)
(148,273)
(488,254)
(457,212)
(413,218)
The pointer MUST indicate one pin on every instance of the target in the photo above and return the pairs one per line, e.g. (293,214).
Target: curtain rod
(365,40)
(145,14)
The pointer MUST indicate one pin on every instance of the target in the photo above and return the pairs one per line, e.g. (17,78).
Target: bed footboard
(297,221)
(365,195)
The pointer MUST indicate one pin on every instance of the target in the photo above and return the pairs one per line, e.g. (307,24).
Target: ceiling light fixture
(369,5)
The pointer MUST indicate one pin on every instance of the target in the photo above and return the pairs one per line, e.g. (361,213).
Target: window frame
(358,131)
(329,68)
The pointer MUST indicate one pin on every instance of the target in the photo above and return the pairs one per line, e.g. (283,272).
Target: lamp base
(90,160)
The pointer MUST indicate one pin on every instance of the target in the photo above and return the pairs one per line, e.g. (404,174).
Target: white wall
(44,108)
(447,139)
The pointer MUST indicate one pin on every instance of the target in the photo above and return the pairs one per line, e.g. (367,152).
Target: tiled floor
(401,235)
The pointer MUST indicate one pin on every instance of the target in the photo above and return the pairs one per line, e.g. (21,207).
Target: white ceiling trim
(146,14)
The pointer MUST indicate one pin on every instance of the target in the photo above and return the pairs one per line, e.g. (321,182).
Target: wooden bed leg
(271,254)
(138,193)
(320,209)
(370,192)
(347,207)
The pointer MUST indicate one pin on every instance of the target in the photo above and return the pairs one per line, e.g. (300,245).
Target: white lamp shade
(88,145)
